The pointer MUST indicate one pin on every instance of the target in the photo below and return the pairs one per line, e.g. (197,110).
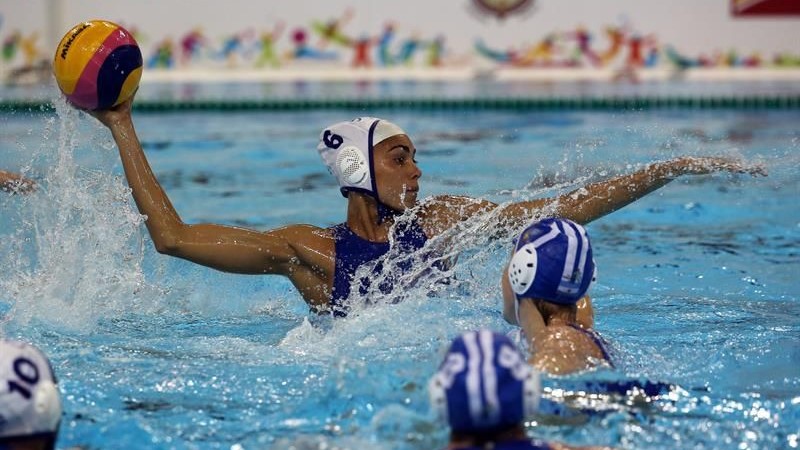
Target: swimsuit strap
(597,339)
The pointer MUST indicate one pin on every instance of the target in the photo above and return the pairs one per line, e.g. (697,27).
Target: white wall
(692,26)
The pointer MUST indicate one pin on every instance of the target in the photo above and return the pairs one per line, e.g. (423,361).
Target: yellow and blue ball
(97,65)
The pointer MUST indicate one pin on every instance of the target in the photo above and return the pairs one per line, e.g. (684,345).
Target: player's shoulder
(303,231)
(441,212)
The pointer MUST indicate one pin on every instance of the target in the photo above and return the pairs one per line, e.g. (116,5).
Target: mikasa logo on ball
(72,39)
(352,165)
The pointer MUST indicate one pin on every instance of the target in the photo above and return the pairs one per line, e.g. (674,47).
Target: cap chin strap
(384,212)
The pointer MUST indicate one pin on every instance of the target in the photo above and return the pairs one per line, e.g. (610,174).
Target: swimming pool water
(697,282)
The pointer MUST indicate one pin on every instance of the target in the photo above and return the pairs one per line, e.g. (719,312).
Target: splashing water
(84,260)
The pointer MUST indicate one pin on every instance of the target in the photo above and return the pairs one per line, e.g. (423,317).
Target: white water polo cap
(347,147)
(484,384)
(30,404)
(552,261)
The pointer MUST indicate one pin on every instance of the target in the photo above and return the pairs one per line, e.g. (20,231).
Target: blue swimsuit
(598,340)
(522,444)
(352,251)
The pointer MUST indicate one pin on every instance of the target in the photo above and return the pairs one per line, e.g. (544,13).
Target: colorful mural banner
(482,36)
(765,8)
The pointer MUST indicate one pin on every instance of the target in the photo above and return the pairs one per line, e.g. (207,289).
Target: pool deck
(315,87)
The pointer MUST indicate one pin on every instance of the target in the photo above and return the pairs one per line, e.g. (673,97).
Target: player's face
(396,172)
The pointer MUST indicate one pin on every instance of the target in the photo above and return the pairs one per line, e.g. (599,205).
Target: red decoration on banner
(502,8)
(765,8)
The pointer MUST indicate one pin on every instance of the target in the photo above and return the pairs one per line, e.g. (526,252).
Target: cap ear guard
(483,384)
(521,273)
(352,165)
(522,269)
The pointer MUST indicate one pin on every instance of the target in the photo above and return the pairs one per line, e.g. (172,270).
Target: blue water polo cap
(552,261)
(484,384)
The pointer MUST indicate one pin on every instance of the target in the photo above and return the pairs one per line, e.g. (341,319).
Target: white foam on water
(83,233)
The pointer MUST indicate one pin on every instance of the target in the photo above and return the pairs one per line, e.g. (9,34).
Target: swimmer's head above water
(484,384)
(30,403)
(552,261)
(359,151)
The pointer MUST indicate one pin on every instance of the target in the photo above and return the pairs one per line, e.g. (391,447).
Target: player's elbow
(166,244)
(168,237)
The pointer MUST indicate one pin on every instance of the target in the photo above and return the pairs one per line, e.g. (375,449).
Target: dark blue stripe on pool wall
(789,102)
(114,71)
